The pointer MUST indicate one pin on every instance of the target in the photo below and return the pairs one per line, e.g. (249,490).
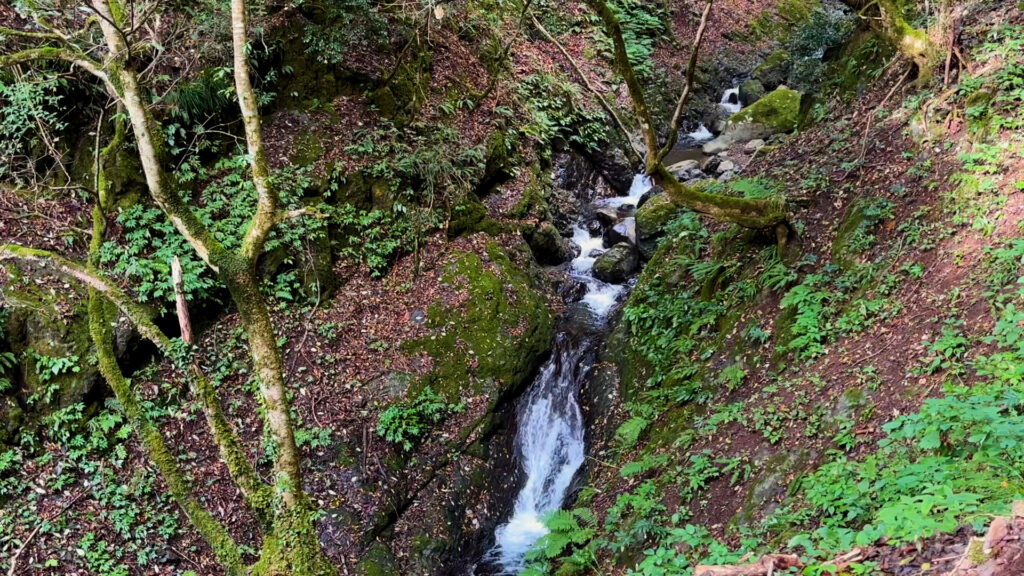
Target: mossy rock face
(773,72)
(495,343)
(36,331)
(469,217)
(854,224)
(407,89)
(777,112)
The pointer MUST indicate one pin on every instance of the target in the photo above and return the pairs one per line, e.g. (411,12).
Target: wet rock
(625,211)
(594,228)
(606,215)
(614,167)
(751,91)
(773,72)
(548,246)
(624,231)
(617,264)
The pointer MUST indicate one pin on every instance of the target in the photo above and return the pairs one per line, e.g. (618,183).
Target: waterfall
(549,440)
(731,100)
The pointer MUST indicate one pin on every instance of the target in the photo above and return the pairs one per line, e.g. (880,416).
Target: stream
(550,438)
(549,441)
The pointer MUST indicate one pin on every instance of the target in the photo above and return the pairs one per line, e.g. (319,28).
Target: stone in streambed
(617,264)
(624,231)
(594,228)
(719,144)
(548,246)
(751,91)
(606,215)
(726,166)
(683,167)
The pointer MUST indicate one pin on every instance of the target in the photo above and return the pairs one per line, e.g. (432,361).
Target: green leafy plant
(406,423)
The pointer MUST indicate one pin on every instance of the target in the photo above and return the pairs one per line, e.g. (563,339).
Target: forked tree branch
(691,68)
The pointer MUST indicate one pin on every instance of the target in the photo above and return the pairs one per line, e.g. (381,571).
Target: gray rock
(617,264)
(720,144)
(594,228)
(614,167)
(683,166)
(624,231)
(710,164)
(774,70)
(726,166)
(754,145)
(606,215)
(726,176)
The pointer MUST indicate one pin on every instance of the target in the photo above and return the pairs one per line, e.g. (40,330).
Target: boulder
(606,215)
(726,166)
(594,228)
(614,167)
(719,144)
(751,91)
(710,164)
(683,166)
(548,246)
(776,113)
(773,72)
(617,264)
(623,232)
(754,145)
(651,220)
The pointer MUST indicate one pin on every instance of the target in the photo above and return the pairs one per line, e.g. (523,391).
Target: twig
(24,545)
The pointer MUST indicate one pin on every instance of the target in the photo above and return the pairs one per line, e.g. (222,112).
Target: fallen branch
(765,566)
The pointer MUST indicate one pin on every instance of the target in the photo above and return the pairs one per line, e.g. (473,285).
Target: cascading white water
(731,100)
(701,134)
(549,440)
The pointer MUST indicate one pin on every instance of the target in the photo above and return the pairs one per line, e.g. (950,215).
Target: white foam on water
(549,440)
(729,106)
(701,134)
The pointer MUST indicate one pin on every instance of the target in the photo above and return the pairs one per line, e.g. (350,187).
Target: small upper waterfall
(731,100)
(549,441)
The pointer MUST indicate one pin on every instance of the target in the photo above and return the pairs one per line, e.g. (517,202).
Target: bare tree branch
(691,68)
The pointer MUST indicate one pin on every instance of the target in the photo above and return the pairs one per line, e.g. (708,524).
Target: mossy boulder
(617,264)
(776,113)
(470,216)
(548,245)
(773,72)
(751,91)
(651,220)
(494,343)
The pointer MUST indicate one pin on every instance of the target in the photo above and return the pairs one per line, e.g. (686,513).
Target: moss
(778,111)
(495,342)
(654,215)
(469,217)
(306,149)
(855,220)
(378,561)
(401,98)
